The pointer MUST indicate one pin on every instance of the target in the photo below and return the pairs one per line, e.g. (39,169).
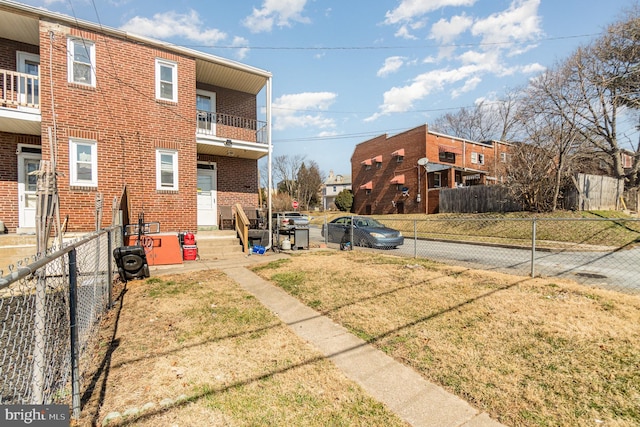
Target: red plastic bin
(189,252)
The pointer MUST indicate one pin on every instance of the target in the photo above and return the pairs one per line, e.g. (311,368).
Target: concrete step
(218,244)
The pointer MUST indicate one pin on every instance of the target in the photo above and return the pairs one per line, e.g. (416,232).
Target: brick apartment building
(153,128)
(404,173)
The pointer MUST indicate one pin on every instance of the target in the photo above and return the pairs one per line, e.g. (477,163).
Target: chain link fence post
(415,238)
(533,247)
(110,269)
(73,323)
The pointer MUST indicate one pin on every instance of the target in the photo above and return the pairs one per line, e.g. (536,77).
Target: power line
(428,46)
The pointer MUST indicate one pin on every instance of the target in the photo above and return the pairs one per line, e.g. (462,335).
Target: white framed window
(437,179)
(166,170)
(503,157)
(477,158)
(83,162)
(81,57)
(166,80)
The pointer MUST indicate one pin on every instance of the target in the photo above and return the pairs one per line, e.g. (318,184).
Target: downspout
(269,168)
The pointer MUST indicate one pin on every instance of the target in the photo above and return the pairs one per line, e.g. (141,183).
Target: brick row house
(405,172)
(151,127)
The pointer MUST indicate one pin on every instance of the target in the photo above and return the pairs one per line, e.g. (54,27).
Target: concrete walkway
(399,387)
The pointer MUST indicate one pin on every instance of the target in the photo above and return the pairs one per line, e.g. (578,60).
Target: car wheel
(363,242)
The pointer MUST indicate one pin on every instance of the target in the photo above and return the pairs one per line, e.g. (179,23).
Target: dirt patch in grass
(196,350)
(530,352)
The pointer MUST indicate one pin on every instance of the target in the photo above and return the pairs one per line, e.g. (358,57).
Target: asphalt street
(618,270)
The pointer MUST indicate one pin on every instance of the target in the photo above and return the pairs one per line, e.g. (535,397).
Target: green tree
(344,200)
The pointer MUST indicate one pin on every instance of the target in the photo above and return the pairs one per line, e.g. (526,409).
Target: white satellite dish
(423,161)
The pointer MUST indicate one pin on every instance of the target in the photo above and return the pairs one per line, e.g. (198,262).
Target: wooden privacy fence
(595,192)
(477,198)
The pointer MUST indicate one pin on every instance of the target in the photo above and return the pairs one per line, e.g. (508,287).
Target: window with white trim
(81,57)
(503,157)
(166,170)
(83,162)
(166,80)
(477,158)
(437,179)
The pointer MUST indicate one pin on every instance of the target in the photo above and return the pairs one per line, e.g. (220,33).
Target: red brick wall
(237,180)
(384,194)
(9,210)
(385,197)
(233,102)
(8,49)
(122,114)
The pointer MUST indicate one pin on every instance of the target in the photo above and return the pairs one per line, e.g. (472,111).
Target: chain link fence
(602,252)
(50,312)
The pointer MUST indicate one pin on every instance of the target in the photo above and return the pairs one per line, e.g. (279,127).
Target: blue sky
(345,71)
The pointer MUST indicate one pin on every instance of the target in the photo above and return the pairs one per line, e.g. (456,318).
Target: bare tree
(596,93)
(310,182)
(285,170)
(528,176)
(544,125)
(483,122)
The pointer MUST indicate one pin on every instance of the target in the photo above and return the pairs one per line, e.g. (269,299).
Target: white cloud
(276,12)
(174,24)
(303,110)
(403,32)
(241,43)
(447,31)
(391,65)
(401,99)
(468,86)
(533,68)
(507,33)
(409,10)
(519,23)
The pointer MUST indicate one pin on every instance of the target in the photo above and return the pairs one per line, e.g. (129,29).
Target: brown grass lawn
(196,350)
(530,352)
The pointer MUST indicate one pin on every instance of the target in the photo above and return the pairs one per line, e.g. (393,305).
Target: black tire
(363,242)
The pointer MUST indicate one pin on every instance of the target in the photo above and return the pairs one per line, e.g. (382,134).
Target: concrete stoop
(218,244)
(16,248)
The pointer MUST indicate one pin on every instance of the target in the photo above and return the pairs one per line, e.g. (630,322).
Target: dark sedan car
(367,232)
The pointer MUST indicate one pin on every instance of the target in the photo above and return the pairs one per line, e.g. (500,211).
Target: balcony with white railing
(19,90)
(19,103)
(227,126)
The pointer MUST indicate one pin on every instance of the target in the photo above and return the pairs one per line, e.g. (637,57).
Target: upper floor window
(81,59)
(166,80)
(167,170)
(503,157)
(477,158)
(83,162)
(446,156)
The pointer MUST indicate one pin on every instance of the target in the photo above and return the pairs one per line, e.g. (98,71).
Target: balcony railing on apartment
(229,126)
(19,89)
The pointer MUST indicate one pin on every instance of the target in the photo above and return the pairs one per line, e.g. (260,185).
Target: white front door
(27,163)
(206,106)
(29,63)
(207,195)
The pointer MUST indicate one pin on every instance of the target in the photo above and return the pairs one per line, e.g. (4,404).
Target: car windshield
(368,222)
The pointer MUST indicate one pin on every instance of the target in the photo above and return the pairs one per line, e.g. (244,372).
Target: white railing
(19,89)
